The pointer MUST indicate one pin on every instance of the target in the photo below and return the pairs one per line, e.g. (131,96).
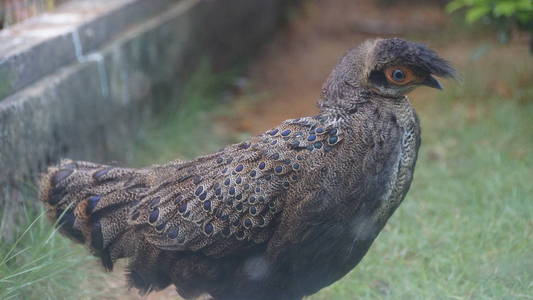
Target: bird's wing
(224,201)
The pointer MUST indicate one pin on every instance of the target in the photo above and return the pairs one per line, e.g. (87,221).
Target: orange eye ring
(399,75)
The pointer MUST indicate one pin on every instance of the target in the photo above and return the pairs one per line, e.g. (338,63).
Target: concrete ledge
(39,46)
(89,98)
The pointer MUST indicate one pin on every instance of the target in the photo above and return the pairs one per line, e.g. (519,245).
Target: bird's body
(278,216)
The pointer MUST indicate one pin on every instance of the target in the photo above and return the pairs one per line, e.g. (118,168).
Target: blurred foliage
(503,13)
(520,11)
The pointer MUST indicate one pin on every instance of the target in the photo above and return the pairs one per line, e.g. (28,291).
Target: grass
(39,264)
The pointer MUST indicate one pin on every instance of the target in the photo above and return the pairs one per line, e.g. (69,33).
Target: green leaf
(455,5)
(476,13)
(506,9)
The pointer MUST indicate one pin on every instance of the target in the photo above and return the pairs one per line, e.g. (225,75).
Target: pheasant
(278,216)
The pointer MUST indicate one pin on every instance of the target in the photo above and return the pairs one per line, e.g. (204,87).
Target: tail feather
(90,203)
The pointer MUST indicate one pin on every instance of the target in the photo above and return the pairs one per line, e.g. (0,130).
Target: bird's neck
(339,95)
(345,98)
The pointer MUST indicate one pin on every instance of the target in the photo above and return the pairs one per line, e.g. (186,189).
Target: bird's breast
(393,165)
(404,160)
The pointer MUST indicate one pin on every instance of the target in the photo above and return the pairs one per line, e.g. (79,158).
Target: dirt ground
(285,79)
(288,74)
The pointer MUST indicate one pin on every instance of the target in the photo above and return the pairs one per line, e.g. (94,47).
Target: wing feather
(220,202)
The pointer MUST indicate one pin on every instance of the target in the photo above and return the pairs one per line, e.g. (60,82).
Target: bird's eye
(398,75)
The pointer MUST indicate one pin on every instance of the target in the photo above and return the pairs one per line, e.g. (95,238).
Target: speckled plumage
(278,216)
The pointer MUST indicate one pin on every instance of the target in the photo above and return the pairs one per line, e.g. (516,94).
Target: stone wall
(82,81)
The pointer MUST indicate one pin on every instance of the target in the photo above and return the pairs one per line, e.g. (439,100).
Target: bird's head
(388,67)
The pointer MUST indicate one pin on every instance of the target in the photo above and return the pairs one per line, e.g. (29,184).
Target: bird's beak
(432,82)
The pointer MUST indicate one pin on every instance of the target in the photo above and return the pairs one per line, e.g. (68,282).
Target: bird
(280,215)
